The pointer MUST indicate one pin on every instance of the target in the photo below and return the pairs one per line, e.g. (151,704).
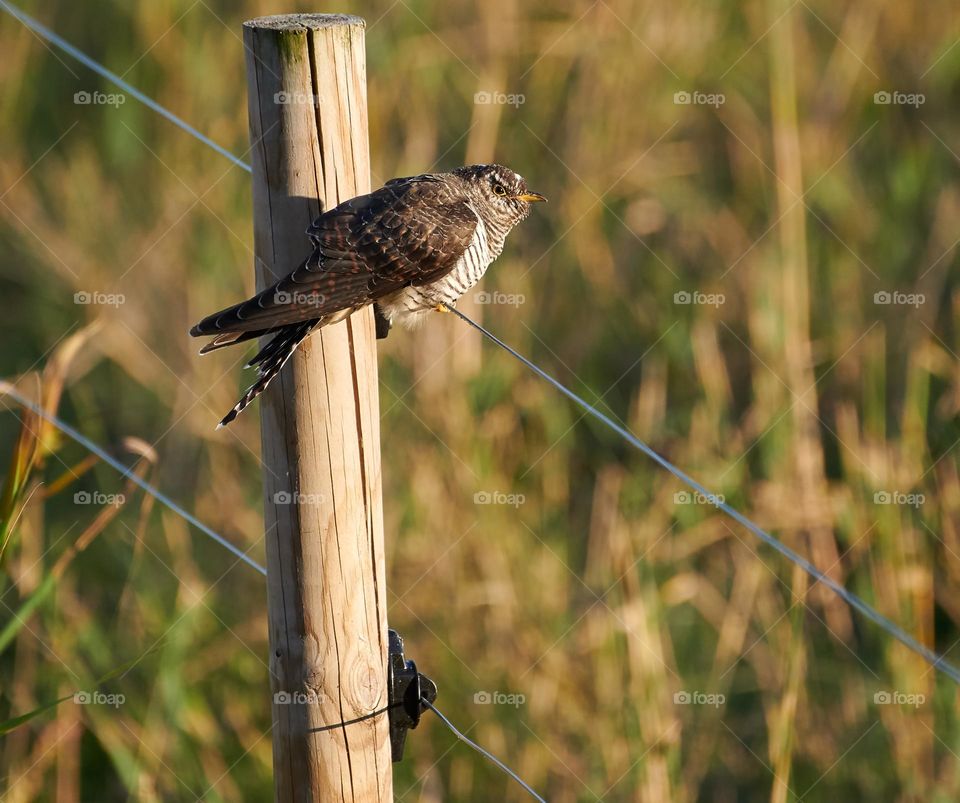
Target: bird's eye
(499,189)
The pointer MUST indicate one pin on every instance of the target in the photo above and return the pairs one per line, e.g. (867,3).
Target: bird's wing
(412,231)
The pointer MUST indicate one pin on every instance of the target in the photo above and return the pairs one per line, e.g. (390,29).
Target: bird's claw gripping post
(407,687)
(381,322)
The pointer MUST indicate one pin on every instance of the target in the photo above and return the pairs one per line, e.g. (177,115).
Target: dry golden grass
(603,595)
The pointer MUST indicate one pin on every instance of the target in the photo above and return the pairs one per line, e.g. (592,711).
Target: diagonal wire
(935,659)
(480,750)
(58,41)
(126,472)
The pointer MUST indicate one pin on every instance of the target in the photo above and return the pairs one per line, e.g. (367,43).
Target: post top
(300,22)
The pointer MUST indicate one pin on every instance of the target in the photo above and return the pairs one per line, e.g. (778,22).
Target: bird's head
(500,191)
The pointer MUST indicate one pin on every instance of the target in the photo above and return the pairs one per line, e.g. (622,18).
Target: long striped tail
(269,360)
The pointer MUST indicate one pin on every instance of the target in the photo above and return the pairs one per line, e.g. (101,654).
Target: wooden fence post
(320,424)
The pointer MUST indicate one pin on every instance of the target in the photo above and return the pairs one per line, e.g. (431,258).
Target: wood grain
(320,424)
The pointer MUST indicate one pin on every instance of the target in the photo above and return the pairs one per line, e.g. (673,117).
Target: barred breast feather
(407,305)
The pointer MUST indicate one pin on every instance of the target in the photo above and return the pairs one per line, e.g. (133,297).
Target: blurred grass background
(606,597)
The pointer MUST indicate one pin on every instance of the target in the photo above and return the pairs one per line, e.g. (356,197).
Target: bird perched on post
(415,245)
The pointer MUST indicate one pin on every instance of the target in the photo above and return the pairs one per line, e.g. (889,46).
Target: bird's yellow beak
(531,197)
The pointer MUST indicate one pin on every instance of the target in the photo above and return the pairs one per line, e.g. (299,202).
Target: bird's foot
(381,322)
(442,308)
